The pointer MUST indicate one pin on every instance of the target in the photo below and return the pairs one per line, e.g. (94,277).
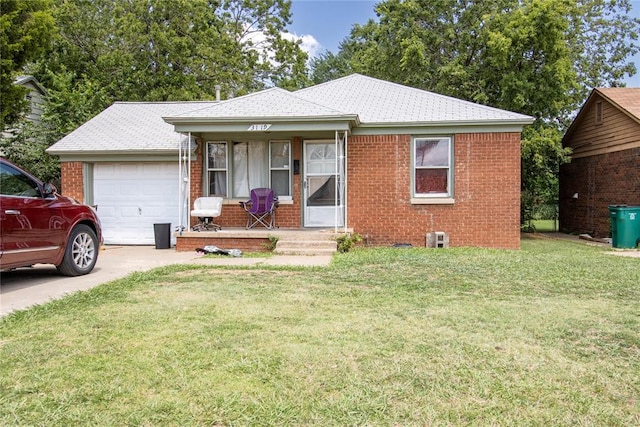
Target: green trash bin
(625,226)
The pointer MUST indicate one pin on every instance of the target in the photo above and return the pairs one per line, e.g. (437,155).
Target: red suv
(39,226)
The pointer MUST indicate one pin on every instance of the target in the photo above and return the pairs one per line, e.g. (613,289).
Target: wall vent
(437,239)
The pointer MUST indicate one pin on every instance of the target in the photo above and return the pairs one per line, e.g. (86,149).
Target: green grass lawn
(542,225)
(545,336)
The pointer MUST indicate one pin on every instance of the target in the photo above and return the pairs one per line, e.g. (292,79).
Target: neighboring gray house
(36,97)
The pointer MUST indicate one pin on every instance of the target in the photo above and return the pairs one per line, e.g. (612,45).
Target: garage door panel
(130,189)
(131,197)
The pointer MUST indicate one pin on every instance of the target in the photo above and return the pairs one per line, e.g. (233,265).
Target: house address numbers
(259,127)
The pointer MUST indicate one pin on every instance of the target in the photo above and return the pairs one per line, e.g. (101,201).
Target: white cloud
(309,43)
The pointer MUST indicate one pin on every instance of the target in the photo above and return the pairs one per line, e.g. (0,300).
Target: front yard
(548,335)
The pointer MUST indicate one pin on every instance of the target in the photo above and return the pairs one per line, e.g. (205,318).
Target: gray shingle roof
(269,103)
(380,101)
(127,126)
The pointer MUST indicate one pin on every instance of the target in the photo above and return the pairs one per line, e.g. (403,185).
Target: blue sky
(323,24)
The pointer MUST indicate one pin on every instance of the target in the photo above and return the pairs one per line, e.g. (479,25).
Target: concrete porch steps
(306,247)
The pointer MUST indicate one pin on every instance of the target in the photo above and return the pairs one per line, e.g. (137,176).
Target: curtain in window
(217,159)
(250,168)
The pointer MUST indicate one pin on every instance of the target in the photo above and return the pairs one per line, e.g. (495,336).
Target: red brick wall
(600,181)
(72,180)
(486,191)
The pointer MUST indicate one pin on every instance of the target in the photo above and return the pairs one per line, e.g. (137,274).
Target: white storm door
(132,196)
(321,194)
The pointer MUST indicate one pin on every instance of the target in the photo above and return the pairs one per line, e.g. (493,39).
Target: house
(390,162)
(605,165)
(36,97)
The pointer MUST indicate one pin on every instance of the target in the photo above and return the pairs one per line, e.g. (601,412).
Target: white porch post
(180,204)
(340,146)
(346,181)
(184,173)
(336,183)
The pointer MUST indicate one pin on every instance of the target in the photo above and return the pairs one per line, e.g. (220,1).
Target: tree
(536,57)
(164,50)
(329,66)
(26,148)
(151,50)
(26,28)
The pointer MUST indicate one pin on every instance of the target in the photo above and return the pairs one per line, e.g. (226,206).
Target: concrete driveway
(25,287)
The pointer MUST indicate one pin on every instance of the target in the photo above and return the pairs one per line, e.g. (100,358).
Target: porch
(286,241)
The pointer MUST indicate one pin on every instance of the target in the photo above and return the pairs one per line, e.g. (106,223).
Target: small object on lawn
(402,245)
(210,249)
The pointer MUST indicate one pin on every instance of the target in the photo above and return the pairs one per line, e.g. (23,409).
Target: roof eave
(255,119)
(139,151)
(462,123)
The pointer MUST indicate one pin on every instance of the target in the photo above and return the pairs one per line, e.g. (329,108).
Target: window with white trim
(217,168)
(234,168)
(432,167)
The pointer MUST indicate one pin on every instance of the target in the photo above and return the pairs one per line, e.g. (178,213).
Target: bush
(346,241)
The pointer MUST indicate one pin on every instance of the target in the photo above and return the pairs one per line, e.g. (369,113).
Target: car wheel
(81,253)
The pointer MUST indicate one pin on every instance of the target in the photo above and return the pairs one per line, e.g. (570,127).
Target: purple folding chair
(261,208)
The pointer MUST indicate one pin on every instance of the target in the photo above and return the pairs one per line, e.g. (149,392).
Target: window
(14,183)
(280,167)
(599,112)
(217,168)
(252,165)
(432,171)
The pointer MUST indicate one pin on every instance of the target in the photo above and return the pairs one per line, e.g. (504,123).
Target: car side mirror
(49,190)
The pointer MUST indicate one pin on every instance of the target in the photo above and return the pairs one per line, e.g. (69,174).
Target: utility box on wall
(437,239)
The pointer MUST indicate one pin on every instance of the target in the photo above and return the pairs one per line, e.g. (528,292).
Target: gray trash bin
(162,234)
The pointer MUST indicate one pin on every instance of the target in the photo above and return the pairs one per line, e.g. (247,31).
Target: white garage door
(132,197)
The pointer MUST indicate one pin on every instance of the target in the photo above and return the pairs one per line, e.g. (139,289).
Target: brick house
(605,165)
(387,161)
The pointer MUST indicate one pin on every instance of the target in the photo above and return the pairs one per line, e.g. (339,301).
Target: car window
(15,183)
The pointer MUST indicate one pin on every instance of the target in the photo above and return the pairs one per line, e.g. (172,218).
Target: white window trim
(435,198)
(289,168)
(432,201)
(207,169)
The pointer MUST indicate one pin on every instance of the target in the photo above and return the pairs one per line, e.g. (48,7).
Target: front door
(322,186)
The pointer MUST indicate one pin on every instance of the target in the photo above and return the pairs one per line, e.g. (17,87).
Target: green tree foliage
(26,148)
(329,66)
(536,57)
(167,50)
(153,50)
(26,28)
